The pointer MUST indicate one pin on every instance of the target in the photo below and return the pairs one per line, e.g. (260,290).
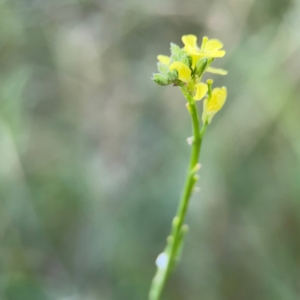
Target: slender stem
(166,261)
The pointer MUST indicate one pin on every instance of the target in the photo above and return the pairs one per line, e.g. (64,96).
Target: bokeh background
(93,154)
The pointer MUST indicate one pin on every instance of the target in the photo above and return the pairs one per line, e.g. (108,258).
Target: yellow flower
(164,59)
(214,104)
(201,90)
(210,48)
(184,72)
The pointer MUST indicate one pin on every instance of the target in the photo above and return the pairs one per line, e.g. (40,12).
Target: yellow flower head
(210,48)
(185,67)
(213,104)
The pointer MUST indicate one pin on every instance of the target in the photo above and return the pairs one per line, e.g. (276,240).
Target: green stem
(167,260)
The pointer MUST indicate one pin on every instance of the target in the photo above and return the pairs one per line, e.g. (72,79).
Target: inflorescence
(185,68)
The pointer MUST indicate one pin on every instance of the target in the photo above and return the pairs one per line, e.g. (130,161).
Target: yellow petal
(191,50)
(189,40)
(216,71)
(201,90)
(217,100)
(213,54)
(195,59)
(213,45)
(164,59)
(184,72)
(194,53)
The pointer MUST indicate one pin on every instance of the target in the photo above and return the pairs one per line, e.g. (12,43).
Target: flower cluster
(185,68)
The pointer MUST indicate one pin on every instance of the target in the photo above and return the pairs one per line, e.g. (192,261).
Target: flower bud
(174,57)
(175,49)
(201,66)
(172,75)
(162,68)
(160,79)
(187,60)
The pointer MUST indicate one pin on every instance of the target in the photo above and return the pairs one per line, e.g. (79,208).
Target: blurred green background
(93,154)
